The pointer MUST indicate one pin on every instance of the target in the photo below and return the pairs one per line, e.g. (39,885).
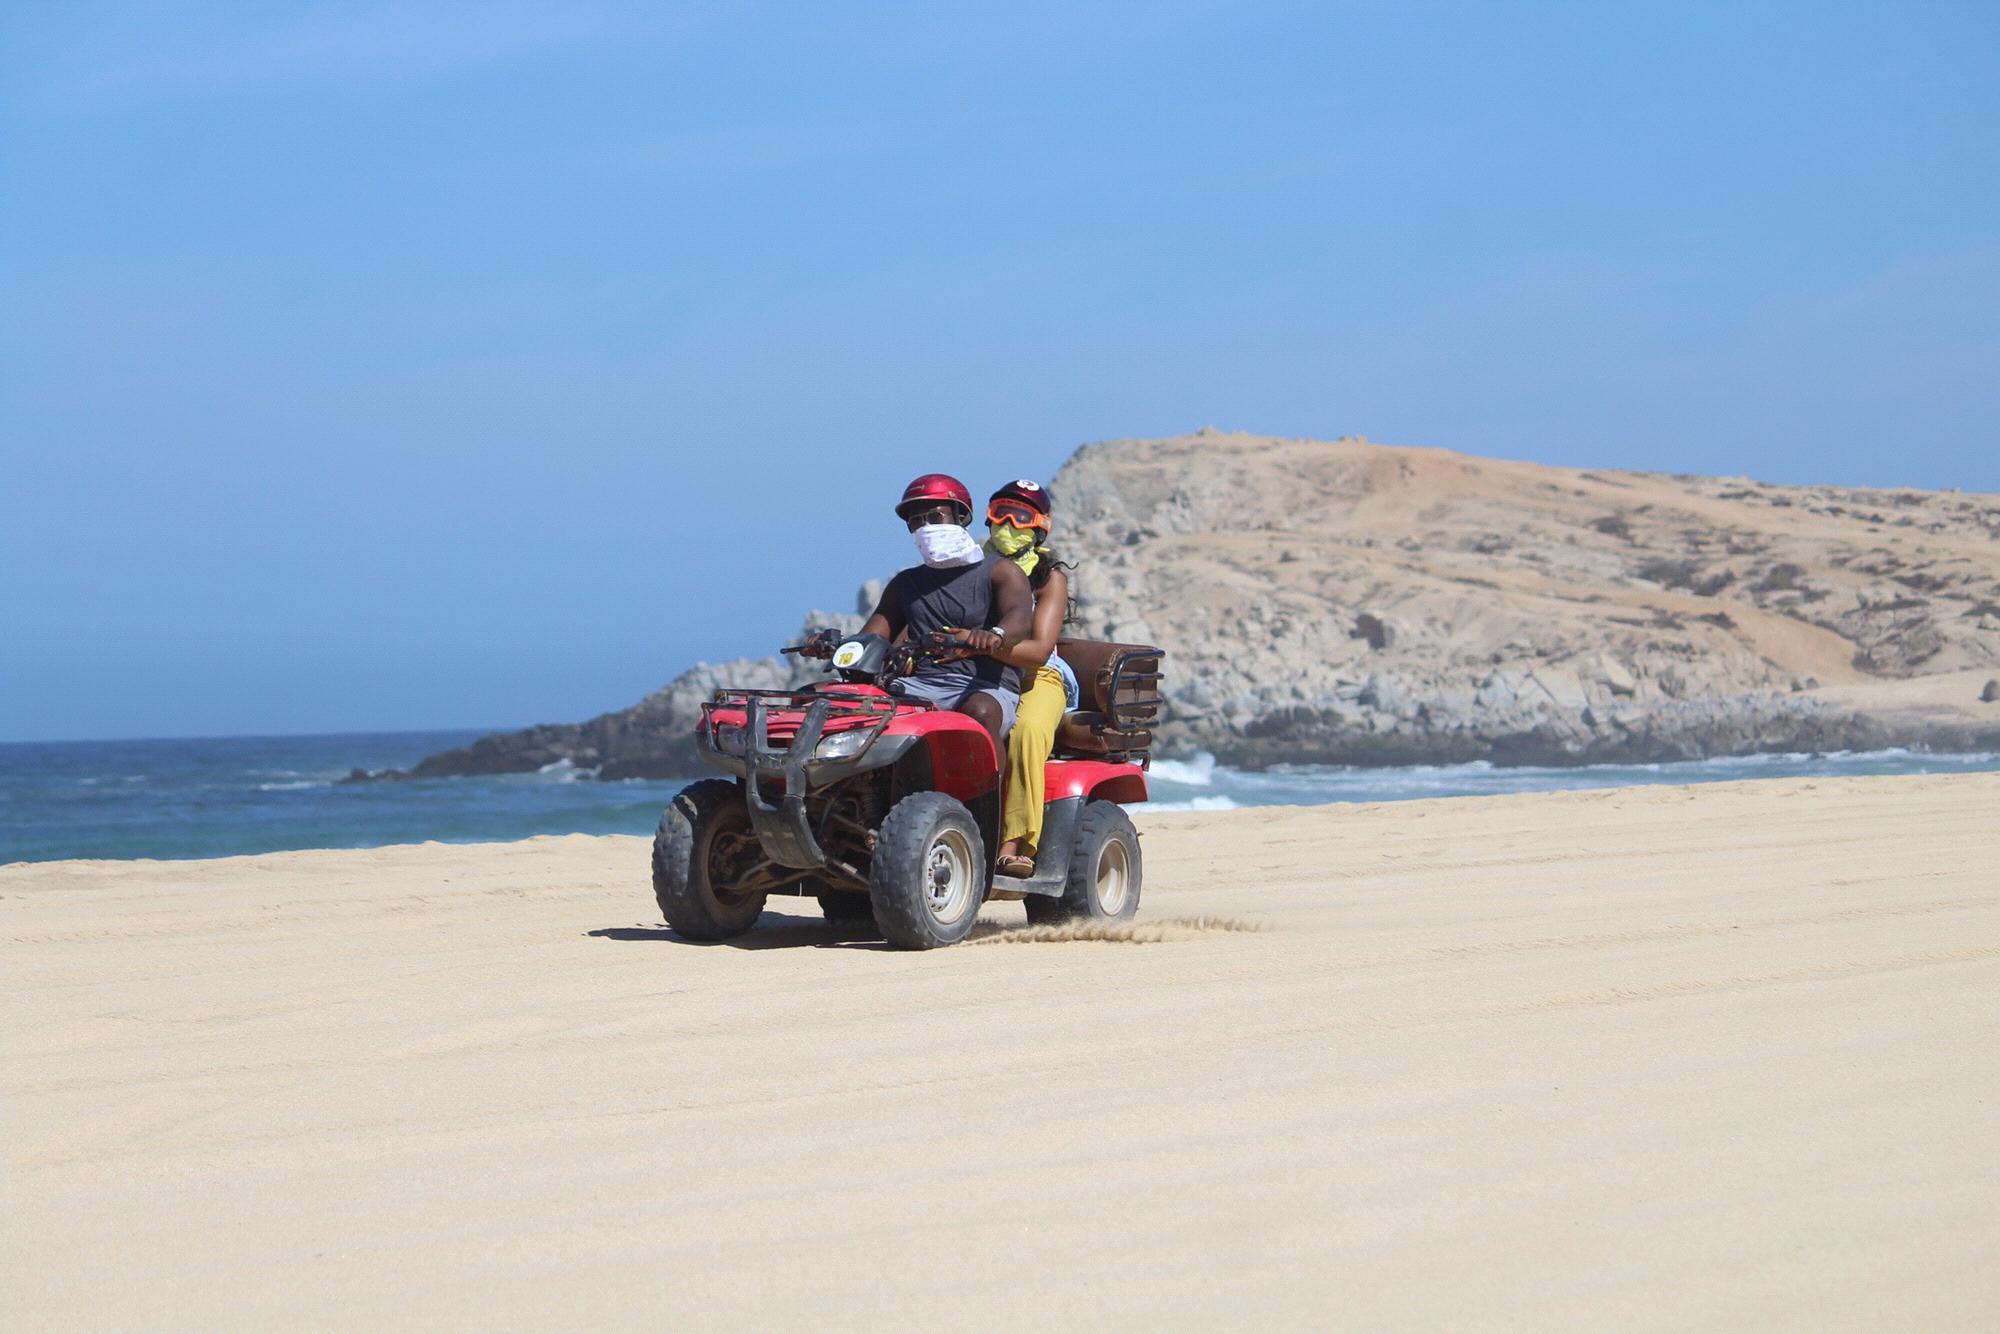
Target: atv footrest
(1059,819)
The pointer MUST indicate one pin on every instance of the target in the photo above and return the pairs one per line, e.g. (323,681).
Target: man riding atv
(962,594)
(878,791)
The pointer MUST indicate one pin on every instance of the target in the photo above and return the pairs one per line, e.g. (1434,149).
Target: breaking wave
(565,771)
(1199,783)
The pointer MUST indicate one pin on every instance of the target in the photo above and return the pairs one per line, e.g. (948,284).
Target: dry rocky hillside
(1348,602)
(1353,602)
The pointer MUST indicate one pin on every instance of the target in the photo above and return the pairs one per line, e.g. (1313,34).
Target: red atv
(884,808)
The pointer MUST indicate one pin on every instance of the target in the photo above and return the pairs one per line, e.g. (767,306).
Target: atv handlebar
(947,646)
(820,644)
(939,646)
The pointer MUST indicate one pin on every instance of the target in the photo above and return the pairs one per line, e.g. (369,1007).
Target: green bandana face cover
(1017,545)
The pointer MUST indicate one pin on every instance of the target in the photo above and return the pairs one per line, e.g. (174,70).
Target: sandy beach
(1672,1057)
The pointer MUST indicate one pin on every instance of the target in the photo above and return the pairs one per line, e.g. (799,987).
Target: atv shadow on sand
(776,931)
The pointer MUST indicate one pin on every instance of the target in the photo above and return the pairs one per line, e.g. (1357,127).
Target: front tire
(703,844)
(928,875)
(1105,873)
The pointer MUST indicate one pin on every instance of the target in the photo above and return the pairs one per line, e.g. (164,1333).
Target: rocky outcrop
(1347,602)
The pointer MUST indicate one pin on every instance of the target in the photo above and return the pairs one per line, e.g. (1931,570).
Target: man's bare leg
(985,710)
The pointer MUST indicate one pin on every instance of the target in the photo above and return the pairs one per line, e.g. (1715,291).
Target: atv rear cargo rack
(1118,701)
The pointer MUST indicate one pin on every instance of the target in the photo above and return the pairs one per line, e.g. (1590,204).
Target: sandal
(1020,868)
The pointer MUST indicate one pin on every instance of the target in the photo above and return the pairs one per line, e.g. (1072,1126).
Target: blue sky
(438,364)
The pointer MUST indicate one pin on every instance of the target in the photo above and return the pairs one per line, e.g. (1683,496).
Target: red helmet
(932,488)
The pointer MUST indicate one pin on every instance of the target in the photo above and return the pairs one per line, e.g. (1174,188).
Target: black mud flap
(1059,819)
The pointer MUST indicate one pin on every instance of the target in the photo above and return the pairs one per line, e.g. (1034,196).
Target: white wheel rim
(1114,876)
(948,875)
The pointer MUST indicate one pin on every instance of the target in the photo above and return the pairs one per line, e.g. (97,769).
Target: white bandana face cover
(946,544)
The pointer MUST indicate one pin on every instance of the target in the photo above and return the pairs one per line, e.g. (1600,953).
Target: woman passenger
(1018,517)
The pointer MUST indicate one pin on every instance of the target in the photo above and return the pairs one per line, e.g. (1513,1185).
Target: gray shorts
(948,692)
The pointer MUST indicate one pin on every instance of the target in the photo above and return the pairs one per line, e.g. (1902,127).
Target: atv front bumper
(791,772)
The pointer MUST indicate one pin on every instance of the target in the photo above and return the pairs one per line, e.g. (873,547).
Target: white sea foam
(1181,784)
(1191,804)
(1196,771)
(299,785)
(565,771)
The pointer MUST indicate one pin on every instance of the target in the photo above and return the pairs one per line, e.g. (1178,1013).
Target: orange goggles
(1015,512)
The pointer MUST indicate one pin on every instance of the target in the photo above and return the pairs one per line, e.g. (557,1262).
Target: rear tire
(704,835)
(1105,873)
(848,912)
(927,879)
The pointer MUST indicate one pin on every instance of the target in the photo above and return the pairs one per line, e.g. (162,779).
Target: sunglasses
(934,514)
(1016,513)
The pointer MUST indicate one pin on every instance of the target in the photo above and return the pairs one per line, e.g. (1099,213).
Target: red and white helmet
(1023,503)
(933,488)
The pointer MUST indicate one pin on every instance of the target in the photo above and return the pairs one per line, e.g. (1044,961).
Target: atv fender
(1100,779)
(962,761)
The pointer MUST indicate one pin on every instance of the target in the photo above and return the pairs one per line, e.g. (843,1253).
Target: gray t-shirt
(957,595)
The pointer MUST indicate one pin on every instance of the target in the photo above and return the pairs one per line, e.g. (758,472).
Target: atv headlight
(731,740)
(842,745)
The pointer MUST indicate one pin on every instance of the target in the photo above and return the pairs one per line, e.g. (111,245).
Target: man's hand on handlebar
(820,644)
(951,643)
(981,641)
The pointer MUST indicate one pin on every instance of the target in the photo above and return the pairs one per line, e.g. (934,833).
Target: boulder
(1616,678)
(1372,628)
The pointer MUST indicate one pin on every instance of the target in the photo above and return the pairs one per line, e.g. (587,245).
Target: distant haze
(419,365)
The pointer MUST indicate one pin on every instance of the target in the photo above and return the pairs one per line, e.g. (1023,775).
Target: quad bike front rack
(785,764)
(781,826)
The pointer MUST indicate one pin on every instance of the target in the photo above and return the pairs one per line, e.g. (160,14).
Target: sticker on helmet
(848,654)
(1027,485)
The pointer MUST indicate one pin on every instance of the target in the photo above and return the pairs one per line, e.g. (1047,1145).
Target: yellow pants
(1028,747)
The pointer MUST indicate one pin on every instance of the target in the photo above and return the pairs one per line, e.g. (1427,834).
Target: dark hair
(1040,577)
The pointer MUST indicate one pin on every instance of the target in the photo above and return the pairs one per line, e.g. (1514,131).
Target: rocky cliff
(1347,602)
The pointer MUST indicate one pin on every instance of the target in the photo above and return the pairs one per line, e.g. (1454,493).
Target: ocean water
(218,797)
(226,796)
(1201,784)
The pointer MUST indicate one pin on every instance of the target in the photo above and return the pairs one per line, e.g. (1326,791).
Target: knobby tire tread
(896,886)
(677,881)
(1101,820)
